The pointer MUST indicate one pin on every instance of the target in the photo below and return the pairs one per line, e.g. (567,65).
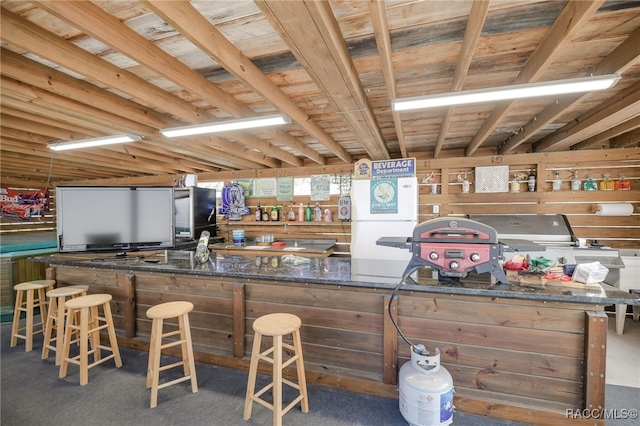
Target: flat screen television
(110,218)
(195,212)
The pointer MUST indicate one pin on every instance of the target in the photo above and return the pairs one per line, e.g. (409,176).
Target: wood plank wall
(618,232)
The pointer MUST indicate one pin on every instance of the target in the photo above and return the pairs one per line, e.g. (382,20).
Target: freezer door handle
(399,242)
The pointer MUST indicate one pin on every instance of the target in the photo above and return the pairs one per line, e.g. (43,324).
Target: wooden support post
(595,353)
(390,341)
(238,320)
(130,306)
(50,274)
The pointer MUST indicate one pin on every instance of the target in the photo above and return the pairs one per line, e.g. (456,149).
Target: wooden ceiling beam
(108,29)
(378,13)
(310,30)
(609,134)
(626,140)
(619,60)
(477,18)
(624,106)
(183,17)
(573,15)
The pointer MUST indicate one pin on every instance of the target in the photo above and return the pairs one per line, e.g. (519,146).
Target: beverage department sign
(382,169)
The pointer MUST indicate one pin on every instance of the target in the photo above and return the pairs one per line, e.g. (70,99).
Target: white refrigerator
(382,208)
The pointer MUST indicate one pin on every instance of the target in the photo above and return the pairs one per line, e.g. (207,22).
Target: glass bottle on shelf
(292,214)
(308,215)
(275,213)
(317,212)
(623,184)
(576,184)
(301,213)
(590,184)
(265,215)
(556,184)
(606,184)
(258,213)
(514,185)
(531,181)
(465,184)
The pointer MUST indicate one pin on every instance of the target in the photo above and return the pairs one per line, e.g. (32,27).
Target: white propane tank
(426,390)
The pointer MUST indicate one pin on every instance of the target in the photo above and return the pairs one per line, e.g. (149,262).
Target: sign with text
(405,167)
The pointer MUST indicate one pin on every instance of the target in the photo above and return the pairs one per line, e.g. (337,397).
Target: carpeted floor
(32,394)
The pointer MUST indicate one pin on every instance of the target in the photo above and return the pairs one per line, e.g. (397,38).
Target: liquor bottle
(317,212)
(465,184)
(590,184)
(606,184)
(576,184)
(531,182)
(623,184)
(292,214)
(308,214)
(556,183)
(301,213)
(265,215)
(258,213)
(275,213)
(514,185)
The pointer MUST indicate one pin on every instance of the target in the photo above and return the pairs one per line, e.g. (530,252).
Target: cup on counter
(238,236)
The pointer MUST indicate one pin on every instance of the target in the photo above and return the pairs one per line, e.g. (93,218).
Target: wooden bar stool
(27,302)
(56,318)
(276,325)
(88,326)
(158,314)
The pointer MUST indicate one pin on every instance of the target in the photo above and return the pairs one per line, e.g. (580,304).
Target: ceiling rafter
(609,134)
(310,30)
(573,15)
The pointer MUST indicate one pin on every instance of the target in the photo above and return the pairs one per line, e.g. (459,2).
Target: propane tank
(426,390)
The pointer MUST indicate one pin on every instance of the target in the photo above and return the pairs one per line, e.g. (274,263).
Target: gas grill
(452,246)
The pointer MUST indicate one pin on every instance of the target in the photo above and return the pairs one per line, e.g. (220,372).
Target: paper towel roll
(615,209)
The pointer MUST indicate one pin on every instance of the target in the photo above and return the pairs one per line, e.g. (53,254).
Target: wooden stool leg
(84,343)
(16,317)
(253,371)
(112,335)
(60,319)
(48,330)
(43,304)
(28,332)
(71,317)
(277,380)
(187,352)
(302,380)
(154,360)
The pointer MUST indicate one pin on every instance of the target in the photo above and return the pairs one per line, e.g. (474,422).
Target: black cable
(393,295)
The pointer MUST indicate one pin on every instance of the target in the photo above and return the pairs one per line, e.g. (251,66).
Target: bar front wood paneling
(523,360)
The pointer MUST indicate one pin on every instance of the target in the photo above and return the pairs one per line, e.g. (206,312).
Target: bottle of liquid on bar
(275,213)
(531,182)
(258,213)
(301,213)
(557,182)
(606,184)
(317,212)
(590,184)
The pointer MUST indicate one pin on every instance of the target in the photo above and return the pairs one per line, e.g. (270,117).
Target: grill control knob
(454,265)
(433,255)
(474,257)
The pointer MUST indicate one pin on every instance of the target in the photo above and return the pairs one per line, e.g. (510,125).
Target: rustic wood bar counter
(525,353)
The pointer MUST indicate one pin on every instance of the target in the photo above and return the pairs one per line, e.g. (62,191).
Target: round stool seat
(67,291)
(34,285)
(87,301)
(277,324)
(169,310)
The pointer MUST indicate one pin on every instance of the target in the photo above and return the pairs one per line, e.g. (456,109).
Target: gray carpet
(32,394)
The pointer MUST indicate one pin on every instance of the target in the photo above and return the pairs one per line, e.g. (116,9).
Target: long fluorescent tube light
(516,91)
(87,143)
(224,126)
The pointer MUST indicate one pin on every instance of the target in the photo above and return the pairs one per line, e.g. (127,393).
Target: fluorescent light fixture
(225,126)
(516,91)
(88,143)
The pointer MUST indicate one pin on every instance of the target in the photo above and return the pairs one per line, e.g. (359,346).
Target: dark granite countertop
(334,271)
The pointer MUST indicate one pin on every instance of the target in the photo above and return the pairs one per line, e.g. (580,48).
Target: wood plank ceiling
(78,69)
